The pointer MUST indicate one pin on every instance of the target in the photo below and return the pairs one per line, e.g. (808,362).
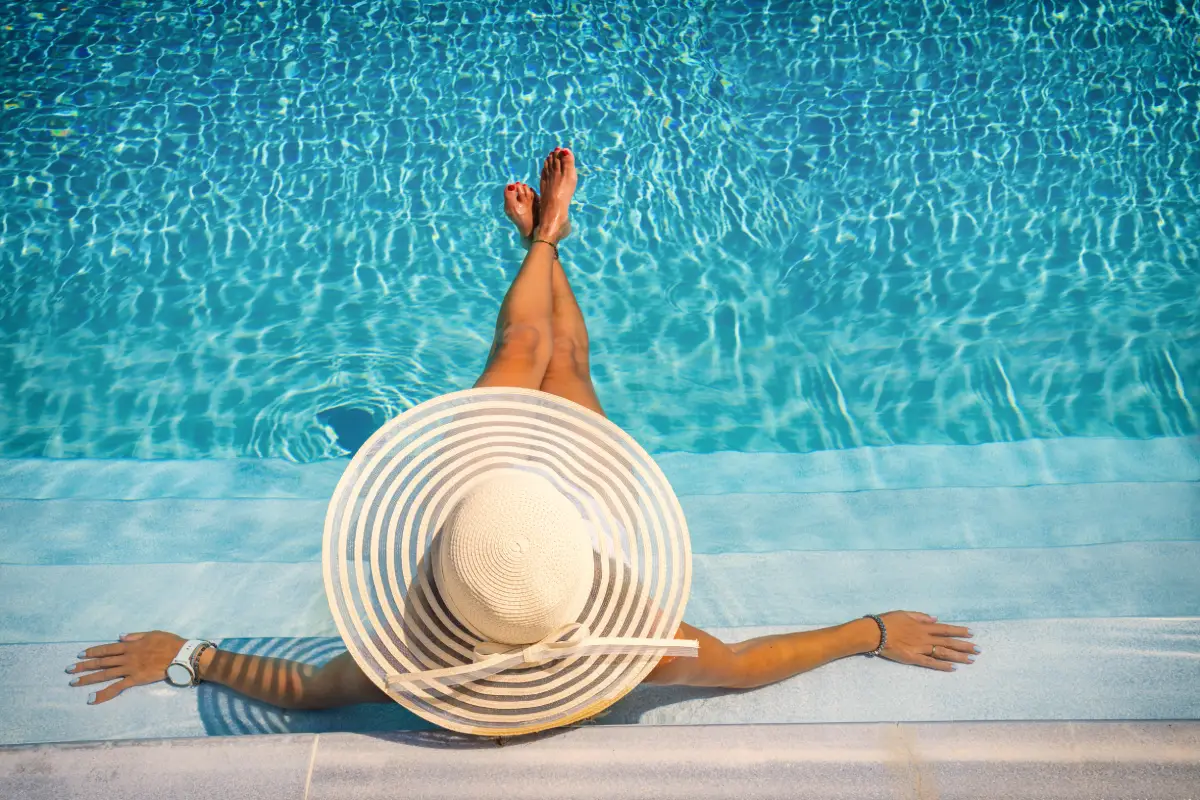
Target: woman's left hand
(920,640)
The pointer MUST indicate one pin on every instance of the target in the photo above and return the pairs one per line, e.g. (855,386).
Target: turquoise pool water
(800,226)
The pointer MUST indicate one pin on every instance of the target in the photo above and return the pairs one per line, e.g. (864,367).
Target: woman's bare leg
(524,341)
(568,373)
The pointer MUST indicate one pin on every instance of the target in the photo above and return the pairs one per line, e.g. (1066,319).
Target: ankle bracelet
(553,246)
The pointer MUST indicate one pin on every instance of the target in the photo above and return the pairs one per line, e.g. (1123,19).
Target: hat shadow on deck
(224,712)
(227,713)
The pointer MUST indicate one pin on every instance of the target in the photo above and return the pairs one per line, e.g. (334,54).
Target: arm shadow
(224,712)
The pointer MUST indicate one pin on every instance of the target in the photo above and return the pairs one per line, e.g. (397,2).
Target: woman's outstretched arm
(912,638)
(141,658)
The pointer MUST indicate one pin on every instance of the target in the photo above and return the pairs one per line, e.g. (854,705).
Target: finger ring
(933,652)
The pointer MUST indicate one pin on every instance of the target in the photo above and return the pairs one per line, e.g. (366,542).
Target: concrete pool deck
(875,760)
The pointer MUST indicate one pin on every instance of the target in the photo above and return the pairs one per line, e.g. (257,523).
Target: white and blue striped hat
(501,561)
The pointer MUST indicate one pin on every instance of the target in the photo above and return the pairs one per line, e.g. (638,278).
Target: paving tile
(1086,760)
(878,760)
(628,762)
(967,760)
(242,768)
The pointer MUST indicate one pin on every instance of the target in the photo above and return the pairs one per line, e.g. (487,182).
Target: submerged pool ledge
(1024,463)
(882,760)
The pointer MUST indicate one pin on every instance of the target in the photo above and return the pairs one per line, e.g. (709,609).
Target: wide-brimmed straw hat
(502,561)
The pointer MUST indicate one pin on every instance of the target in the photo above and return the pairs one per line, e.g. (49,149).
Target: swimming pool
(886,223)
(903,296)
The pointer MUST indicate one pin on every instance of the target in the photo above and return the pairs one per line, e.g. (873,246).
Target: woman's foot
(521,206)
(558,187)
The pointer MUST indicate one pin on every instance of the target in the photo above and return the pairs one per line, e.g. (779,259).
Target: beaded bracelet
(882,635)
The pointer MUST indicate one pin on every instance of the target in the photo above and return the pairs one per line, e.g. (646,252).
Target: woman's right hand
(135,659)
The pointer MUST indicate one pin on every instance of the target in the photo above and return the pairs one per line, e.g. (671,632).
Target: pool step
(90,531)
(1026,463)
(1140,579)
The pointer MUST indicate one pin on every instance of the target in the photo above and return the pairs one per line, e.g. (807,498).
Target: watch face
(178,675)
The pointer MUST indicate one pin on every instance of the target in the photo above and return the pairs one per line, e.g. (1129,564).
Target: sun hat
(501,561)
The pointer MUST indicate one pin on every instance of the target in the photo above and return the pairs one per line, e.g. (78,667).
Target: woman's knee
(569,355)
(523,343)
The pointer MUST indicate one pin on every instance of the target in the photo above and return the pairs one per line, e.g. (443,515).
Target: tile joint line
(312,762)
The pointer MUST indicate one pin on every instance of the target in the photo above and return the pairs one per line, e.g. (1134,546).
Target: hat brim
(393,499)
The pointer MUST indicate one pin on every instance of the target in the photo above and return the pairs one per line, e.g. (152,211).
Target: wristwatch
(184,670)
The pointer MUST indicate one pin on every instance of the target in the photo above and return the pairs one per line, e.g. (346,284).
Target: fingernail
(954,669)
(75,682)
(934,619)
(92,699)
(970,659)
(82,654)
(970,632)
(69,669)
(977,650)
(121,636)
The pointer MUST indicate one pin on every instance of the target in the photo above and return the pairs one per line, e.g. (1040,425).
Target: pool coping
(1158,759)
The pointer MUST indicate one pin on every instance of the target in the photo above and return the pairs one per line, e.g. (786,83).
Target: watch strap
(189,656)
(184,656)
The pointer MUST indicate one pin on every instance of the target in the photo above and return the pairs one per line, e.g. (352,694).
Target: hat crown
(515,559)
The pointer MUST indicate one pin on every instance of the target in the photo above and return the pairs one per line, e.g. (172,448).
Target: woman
(541,343)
